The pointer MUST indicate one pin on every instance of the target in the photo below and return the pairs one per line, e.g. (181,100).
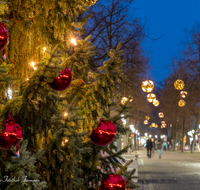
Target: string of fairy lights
(148,86)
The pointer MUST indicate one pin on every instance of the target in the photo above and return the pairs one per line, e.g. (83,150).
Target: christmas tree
(57,113)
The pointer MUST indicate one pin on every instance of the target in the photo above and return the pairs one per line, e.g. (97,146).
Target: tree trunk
(195,129)
(174,131)
(135,141)
(183,129)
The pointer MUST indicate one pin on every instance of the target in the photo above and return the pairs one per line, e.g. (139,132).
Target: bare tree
(111,22)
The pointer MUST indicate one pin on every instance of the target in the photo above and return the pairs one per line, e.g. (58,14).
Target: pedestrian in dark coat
(168,145)
(149,147)
(159,147)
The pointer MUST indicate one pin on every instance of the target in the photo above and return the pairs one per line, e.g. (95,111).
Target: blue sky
(166,18)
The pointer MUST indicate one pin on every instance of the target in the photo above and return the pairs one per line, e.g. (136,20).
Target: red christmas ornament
(63,81)
(3,36)
(113,182)
(12,134)
(104,133)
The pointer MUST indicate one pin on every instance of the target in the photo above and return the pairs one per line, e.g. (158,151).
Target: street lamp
(123,120)
(132,128)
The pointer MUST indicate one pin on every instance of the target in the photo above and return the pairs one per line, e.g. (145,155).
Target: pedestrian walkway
(174,171)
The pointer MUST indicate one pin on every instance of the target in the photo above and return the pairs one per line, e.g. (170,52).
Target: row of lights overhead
(179,85)
(153,125)
(148,86)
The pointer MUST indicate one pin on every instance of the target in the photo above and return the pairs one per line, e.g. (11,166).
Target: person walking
(165,146)
(159,147)
(168,145)
(149,147)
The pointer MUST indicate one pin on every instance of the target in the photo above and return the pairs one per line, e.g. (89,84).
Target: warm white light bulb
(44,49)
(73,41)
(32,64)
(65,114)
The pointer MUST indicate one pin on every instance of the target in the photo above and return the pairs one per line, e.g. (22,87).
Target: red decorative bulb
(3,36)
(113,182)
(63,81)
(12,134)
(104,133)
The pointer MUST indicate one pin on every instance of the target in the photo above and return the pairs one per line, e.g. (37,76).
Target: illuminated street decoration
(163,122)
(179,84)
(123,100)
(153,125)
(181,103)
(147,86)
(183,94)
(156,103)
(161,114)
(147,117)
(146,122)
(151,97)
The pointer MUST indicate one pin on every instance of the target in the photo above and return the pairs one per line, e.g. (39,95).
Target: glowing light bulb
(27,79)
(44,49)
(73,41)
(32,64)
(65,114)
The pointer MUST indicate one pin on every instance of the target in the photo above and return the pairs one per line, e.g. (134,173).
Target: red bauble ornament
(104,133)
(3,36)
(12,134)
(113,182)
(63,81)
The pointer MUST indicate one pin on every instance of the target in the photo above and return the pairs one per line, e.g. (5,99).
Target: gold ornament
(151,97)
(146,122)
(181,103)
(123,100)
(156,103)
(156,126)
(179,84)
(183,94)
(147,86)
(161,114)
